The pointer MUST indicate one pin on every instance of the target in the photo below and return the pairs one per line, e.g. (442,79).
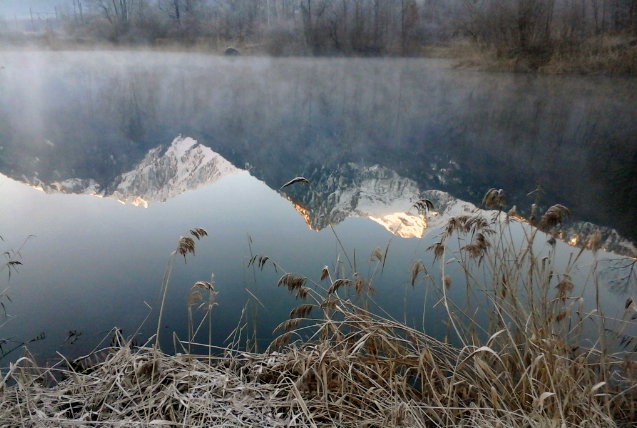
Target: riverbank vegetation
(528,345)
(551,36)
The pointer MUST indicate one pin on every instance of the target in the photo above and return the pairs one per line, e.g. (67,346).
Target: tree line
(354,27)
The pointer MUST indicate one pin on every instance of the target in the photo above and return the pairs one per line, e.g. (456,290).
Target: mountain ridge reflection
(93,115)
(374,192)
(164,173)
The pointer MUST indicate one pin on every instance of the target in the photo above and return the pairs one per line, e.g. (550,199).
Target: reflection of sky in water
(95,261)
(104,111)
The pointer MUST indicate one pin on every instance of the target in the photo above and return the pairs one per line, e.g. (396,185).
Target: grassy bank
(532,363)
(603,55)
(609,55)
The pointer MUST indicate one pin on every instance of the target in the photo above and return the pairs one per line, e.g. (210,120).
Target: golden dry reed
(526,363)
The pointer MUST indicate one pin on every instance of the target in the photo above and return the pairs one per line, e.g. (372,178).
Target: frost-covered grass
(530,364)
(614,55)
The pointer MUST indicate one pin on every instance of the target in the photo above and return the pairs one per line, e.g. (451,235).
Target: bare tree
(313,11)
(117,12)
(409,16)
(177,9)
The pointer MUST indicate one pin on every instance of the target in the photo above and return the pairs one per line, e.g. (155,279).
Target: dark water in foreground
(371,135)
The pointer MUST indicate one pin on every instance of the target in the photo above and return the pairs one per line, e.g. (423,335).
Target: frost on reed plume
(531,364)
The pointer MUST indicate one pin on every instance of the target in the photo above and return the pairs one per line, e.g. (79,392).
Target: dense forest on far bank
(551,36)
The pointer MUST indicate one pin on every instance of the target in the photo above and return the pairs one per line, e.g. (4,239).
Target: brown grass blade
(295,180)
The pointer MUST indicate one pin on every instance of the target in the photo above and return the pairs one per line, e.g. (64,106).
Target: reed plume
(295,180)
(554,216)
(424,206)
(185,245)
(494,198)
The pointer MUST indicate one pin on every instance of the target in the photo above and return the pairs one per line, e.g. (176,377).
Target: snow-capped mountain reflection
(163,174)
(349,190)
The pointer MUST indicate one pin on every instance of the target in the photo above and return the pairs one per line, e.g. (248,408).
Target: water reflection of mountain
(383,196)
(374,192)
(460,132)
(162,174)
(349,190)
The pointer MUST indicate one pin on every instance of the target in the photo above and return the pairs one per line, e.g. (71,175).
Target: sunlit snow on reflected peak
(185,165)
(305,213)
(402,224)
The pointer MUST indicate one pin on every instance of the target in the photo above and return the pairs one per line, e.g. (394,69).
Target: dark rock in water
(231,52)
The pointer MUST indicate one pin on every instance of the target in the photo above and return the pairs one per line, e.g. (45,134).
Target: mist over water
(395,126)
(95,115)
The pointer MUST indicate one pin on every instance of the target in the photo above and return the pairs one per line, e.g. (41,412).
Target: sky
(20,8)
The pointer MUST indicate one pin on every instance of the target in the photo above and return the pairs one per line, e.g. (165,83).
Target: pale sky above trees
(20,8)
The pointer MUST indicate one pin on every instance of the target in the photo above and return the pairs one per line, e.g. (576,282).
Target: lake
(107,158)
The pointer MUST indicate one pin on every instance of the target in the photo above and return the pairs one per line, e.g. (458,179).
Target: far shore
(607,56)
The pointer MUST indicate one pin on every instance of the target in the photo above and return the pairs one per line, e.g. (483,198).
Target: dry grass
(337,364)
(140,387)
(616,55)
(605,55)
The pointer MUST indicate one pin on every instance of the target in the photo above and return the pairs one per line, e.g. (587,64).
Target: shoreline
(609,57)
(339,364)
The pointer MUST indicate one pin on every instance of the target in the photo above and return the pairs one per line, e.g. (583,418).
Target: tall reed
(519,353)
(531,364)
(185,246)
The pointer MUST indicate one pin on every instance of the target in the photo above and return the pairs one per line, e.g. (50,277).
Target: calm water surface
(175,141)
